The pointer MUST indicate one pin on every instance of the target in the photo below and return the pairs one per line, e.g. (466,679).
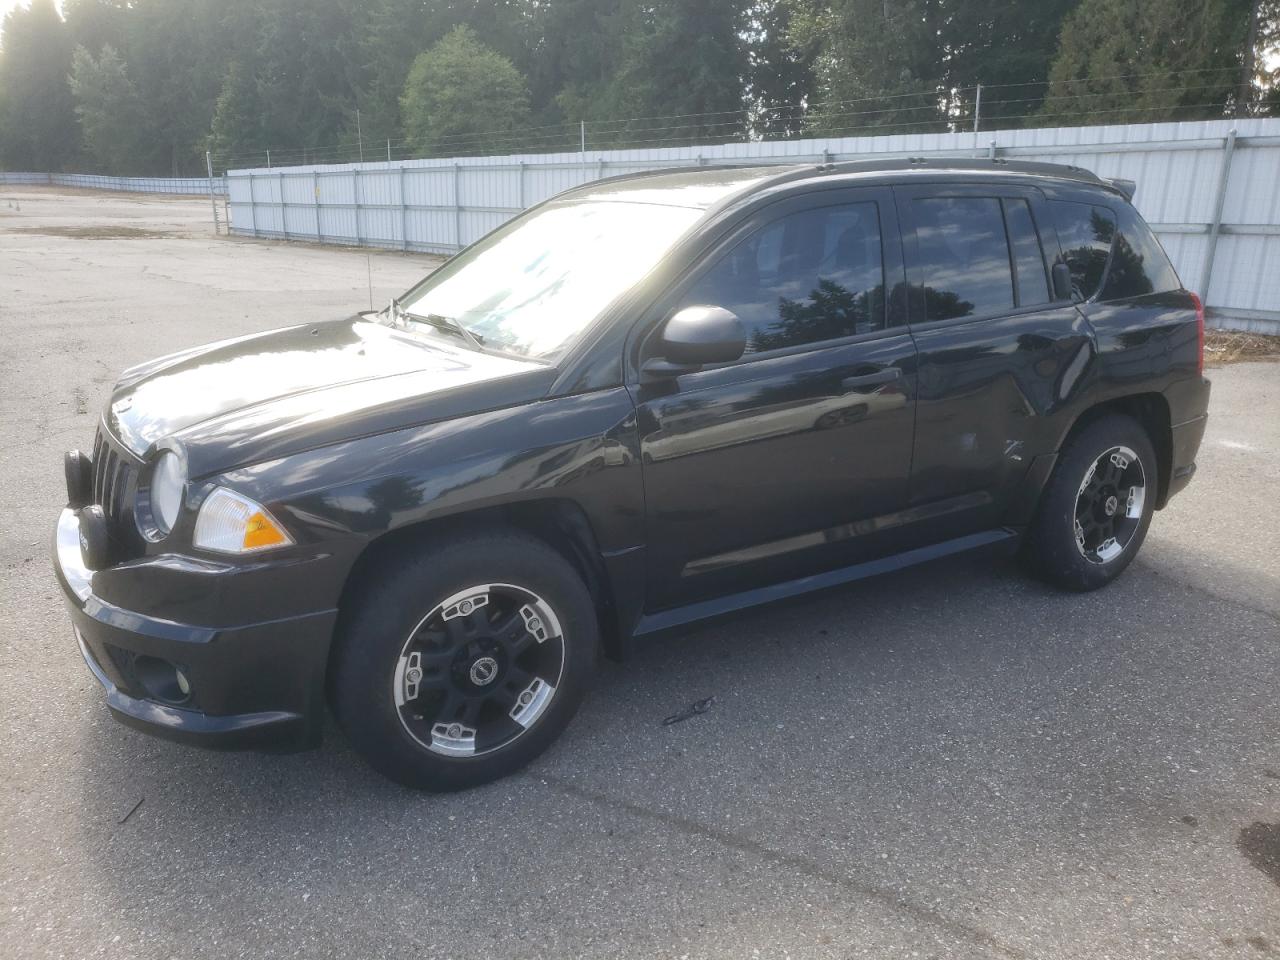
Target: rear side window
(1028,258)
(964,257)
(1085,232)
(1138,262)
(810,276)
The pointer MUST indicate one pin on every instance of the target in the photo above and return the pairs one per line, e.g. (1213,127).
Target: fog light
(162,680)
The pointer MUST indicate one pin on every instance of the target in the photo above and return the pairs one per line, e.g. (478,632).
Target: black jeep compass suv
(646,401)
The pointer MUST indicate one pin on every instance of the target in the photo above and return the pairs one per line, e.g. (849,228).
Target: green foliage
(1133,61)
(37,122)
(877,64)
(108,106)
(682,59)
(237,117)
(780,71)
(463,96)
(158,82)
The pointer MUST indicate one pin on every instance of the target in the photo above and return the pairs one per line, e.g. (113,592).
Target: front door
(782,464)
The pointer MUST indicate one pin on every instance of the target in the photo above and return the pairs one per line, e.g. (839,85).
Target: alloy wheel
(1109,505)
(479,670)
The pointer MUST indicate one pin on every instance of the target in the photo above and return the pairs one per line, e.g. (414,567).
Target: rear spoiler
(1127,187)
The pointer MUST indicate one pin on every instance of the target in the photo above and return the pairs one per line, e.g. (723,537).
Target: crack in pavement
(688,827)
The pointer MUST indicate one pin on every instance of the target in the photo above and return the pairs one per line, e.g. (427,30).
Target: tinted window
(809,276)
(1028,259)
(964,257)
(1085,232)
(1138,264)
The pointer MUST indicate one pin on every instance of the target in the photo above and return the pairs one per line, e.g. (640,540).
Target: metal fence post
(315,192)
(355,189)
(284,210)
(520,186)
(253,206)
(1215,228)
(457,206)
(404,215)
(213,201)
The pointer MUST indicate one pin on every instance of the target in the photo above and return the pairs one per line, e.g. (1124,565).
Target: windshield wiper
(448,324)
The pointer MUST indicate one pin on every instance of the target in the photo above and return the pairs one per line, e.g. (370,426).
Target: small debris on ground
(132,809)
(695,708)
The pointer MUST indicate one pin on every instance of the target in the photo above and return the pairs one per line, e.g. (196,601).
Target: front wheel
(462,662)
(1094,513)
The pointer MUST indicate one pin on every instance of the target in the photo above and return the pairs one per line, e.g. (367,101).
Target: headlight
(165,491)
(231,523)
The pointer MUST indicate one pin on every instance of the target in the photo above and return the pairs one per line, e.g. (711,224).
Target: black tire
(396,603)
(1054,547)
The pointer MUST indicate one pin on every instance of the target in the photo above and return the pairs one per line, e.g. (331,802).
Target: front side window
(963,257)
(533,286)
(806,277)
(1085,232)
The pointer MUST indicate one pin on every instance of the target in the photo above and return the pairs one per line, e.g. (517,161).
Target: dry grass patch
(111,232)
(1231,346)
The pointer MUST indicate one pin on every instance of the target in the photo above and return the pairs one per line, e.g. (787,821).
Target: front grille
(115,489)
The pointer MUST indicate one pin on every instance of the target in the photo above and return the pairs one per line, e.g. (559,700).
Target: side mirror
(694,337)
(1062,282)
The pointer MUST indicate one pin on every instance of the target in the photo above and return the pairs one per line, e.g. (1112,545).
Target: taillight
(1199,333)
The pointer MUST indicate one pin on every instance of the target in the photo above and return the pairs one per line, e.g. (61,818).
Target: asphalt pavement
(953,761)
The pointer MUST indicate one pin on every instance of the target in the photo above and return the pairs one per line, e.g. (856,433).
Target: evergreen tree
(683,60)
(878,64)
(781,77)
(37,119)
(110,112)
(463,97)
(1135,61)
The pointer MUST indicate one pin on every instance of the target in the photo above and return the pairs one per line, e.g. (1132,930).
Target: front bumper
(257,685)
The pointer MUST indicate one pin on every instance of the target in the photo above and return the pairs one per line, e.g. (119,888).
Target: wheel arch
(1151,410)
(560,523)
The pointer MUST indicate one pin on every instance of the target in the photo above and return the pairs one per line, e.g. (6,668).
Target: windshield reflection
(532,287)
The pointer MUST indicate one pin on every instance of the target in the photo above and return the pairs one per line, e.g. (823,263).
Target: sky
(7,5)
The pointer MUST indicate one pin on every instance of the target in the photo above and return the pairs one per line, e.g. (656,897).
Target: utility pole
(1245,93)
(977,108)
(359,135)
(582,135)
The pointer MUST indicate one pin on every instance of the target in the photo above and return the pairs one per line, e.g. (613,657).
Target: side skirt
(679,616)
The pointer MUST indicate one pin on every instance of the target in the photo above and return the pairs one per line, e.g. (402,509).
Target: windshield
(535,285)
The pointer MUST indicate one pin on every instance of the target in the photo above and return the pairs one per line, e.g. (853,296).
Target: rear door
(778,465)
(999,357)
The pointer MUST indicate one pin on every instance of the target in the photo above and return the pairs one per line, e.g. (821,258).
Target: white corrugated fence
(1210,189)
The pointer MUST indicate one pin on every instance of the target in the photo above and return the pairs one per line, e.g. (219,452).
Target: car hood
(265,396)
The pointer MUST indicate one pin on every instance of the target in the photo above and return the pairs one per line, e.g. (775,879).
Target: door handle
(885,375)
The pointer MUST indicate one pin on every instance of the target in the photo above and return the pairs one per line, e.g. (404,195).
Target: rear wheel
(1094,513)
(464,661)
